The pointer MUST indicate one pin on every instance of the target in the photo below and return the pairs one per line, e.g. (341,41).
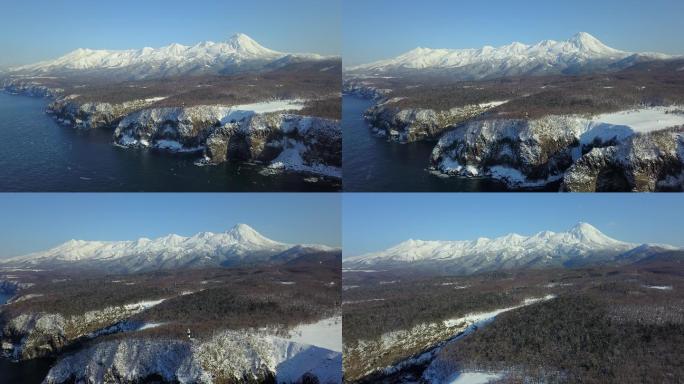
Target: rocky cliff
(31,335)
(227,357)
(580,152)
(281,140)
(69,111)
(29,88)
(265,132)
(415,124)
(644,163)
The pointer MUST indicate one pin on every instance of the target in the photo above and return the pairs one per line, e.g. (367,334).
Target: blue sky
(32,222)
(380,29)
(373,222)
(33,30)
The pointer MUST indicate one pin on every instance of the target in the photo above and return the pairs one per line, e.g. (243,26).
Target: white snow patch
(660,287)
(492,104)
(150,326)
(325,333)
(348,287)
(619,125)
(155,99)
(481,318)
(474,378)
(291,159)
(143,305)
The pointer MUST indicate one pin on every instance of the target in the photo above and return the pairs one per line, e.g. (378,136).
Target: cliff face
(414,124)
(362,89)
(30,88)
(226,357)
(260,132)
(648,162)
(520,152)
(282,140)
(582,153)
(69,111)
(29,336)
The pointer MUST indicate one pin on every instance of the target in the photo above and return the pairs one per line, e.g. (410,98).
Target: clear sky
(33,222)
(33,30)
(373,222)
(381,29)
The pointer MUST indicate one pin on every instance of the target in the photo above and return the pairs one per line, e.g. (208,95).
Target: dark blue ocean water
(37,154)
(372,164)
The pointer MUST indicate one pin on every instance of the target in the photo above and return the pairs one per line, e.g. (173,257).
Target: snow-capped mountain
(583,52)
(583,244)
(242,245)
(239,53)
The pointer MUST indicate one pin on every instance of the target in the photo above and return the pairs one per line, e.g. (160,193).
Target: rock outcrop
(583,154)
(364,89)
(283,140)
(228,356)
(267,134)
(415,124)
(29,336)
(93,115)
(643,163)
(520,152)
(30,88)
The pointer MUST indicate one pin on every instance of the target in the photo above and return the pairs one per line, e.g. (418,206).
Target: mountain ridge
(576,54)
(579,245)
(239,53)
(238,246)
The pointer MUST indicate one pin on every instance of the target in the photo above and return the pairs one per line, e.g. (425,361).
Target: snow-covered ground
(619,125)
(659,287)
(482,318)
(474,378)
(143,305)
(227,355)
(325,333)
(493,104)
(291,159)
(431,338)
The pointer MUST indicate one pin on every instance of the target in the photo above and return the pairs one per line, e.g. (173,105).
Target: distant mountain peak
(240,244)
(245,44)
(581,244)
(516,59)
(240,52)
(588,43)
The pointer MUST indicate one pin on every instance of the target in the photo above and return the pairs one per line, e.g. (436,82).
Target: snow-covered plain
(467,377)
(619,125)
(325,333)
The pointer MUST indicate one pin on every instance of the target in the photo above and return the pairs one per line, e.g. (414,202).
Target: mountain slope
(242,245)
(237,54)
(582,244)
(581,53)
